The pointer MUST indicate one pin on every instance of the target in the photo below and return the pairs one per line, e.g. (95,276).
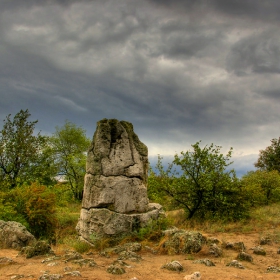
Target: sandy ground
(150,267)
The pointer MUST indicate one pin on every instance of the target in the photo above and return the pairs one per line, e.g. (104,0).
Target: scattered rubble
(259,250)
(39,248)
(215,250)
(174,266)
(273,269)
(237,246)
(207,262)
(244,257)
(195,276)
(236,264)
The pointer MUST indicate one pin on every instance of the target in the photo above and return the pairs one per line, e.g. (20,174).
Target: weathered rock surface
(117,167)
(47,276)
(182,241)
(245,257)
(259,250)
(207,262)
(128,255)
(237,246)
(102,221)
(174,266)
(14,235)
(116,269)
(235,263)
(273,269)
(37,249)
(5,260)
(115,199)
(215,250)
(120,194)
(265,241)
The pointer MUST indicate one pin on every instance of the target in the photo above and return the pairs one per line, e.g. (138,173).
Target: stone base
(98,222)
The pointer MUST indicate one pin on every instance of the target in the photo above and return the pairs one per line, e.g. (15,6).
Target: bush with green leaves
(8,212)
(34,206)
(153,230)
(269,158)
(262,187)
(204,187)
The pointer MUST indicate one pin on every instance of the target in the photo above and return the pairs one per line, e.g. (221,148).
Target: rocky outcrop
(215,250)
(38,248)
(259,250)
(14,235)
(237,246)
(244,257)
(115,197)
(236,264)
(174,266)
(207,262)
(178,241)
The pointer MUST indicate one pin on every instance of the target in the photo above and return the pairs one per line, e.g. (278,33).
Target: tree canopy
(205,187)
(19,149)
(69,145)
(269,158)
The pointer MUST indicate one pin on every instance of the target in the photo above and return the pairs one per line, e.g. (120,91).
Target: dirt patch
(149,268)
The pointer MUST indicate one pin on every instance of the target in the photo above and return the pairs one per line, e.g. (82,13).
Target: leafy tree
(44,170)
(69,145)
(269,159)
(262,187)
(205,188)
(19,149)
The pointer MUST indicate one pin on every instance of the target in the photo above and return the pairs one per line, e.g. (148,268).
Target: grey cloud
(273,94)
(268,10)
(188,42)
(258,53)
(265,10)
(14,4)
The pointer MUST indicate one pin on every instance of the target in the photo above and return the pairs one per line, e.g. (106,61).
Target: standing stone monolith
(115,197)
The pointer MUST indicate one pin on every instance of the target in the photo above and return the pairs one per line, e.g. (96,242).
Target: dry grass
(265,217)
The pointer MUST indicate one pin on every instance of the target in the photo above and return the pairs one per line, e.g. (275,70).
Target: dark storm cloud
(258,53)
(268,10)
(274,94)
(180,71)
(265,10)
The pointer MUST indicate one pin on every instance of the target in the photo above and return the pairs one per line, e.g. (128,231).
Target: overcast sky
(180,71)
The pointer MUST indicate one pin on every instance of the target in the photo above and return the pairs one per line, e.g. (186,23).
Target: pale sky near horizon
(179,71)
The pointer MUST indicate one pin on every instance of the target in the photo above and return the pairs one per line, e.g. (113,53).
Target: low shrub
(153,231)
(76,244)
(34,206)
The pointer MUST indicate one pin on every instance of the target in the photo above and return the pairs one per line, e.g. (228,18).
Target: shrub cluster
(33,206)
